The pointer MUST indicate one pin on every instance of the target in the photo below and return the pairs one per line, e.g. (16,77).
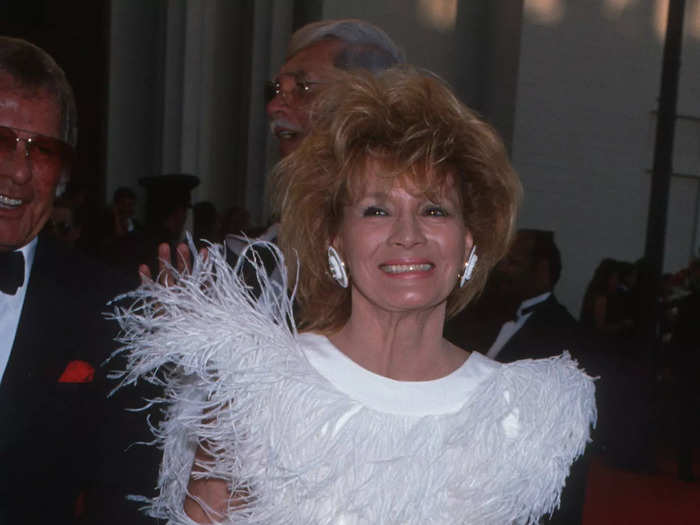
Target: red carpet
(625,498)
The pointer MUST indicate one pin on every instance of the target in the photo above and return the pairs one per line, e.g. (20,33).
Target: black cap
(165,193)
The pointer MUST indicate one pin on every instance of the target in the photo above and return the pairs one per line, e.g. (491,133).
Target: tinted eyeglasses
(293,91)
(44,153)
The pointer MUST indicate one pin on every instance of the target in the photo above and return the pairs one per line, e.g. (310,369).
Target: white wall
(584,133)
(133,118)
(426,41)
(179,71)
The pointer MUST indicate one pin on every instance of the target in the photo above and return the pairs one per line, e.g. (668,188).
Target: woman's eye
(374,211)
(435,211)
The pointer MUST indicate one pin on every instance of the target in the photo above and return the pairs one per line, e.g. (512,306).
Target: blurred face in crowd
(299,80)
(27,181)
(515,275)
(125,206)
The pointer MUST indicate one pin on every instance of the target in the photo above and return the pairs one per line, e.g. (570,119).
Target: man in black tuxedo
(519,317)
(53,338)
(523,282)
(541,327)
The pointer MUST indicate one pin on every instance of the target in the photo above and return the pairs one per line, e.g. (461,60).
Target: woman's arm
(207,498)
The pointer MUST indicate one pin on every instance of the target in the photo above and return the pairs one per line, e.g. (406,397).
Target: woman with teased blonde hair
(353,408)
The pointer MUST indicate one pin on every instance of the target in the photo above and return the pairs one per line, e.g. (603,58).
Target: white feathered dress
(313,438)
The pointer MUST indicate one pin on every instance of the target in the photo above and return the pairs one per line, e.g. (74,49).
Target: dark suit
(50,420)
(548,331)
(48,435)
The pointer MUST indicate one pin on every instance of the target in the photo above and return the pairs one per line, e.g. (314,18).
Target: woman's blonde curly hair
(412,124)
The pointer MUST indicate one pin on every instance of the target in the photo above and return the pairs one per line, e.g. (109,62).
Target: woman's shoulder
(550,384)
(552,370)
(549,401)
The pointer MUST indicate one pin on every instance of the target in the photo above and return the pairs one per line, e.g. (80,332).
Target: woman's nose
(407,231)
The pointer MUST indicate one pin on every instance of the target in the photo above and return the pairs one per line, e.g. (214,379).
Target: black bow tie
(11,271)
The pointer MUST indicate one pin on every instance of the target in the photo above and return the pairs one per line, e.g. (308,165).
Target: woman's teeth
(402,268)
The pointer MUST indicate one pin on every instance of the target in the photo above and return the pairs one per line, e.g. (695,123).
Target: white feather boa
(235,376)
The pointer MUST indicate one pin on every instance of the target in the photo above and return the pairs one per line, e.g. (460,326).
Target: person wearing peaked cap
(168,199)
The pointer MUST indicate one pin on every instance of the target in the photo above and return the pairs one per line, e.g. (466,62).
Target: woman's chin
(409,303)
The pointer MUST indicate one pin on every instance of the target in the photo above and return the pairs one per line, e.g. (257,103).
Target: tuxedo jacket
(52,393)
(548,331)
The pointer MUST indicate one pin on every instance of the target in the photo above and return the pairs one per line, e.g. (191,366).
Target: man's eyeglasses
(44,153)
(293,91)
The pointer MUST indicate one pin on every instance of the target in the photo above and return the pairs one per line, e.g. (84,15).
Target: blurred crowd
(116,235)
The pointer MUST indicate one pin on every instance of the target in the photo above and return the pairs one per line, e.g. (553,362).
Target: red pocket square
(78,372)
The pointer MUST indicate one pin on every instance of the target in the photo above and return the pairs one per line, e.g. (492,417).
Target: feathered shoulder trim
(237,378)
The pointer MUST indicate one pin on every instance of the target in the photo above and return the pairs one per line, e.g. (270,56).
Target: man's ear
(62,184)
(543,275)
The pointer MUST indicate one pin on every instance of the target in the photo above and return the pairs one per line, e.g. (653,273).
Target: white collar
(532,301)
(27,251)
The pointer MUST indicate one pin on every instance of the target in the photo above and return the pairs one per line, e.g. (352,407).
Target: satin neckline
(444,395)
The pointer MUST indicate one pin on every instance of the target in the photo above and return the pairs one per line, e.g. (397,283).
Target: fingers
(168,268)
(165,275)
(183,263)
(145,274)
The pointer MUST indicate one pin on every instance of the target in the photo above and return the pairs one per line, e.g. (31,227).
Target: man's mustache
(284,125)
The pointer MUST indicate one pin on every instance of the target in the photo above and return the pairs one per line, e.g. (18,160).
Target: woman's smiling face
(403,250)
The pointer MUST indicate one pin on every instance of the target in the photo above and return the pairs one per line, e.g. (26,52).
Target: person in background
(207,224)
(124,213)
(602,308)
(519,317)
(316,53)
(525,280)
(63,225)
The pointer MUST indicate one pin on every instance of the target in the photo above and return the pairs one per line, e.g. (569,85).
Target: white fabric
(510,328)
(410,398)
(11,308)
(312,438)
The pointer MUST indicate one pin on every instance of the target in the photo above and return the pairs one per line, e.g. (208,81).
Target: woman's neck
(401,346)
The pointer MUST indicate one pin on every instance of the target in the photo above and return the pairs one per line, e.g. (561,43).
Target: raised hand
(181,261)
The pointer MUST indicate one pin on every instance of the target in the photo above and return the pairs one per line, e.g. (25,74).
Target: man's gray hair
(368,47)
(32,69)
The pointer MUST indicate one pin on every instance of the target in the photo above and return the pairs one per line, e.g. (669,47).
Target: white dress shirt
(510,328)
(11,308)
